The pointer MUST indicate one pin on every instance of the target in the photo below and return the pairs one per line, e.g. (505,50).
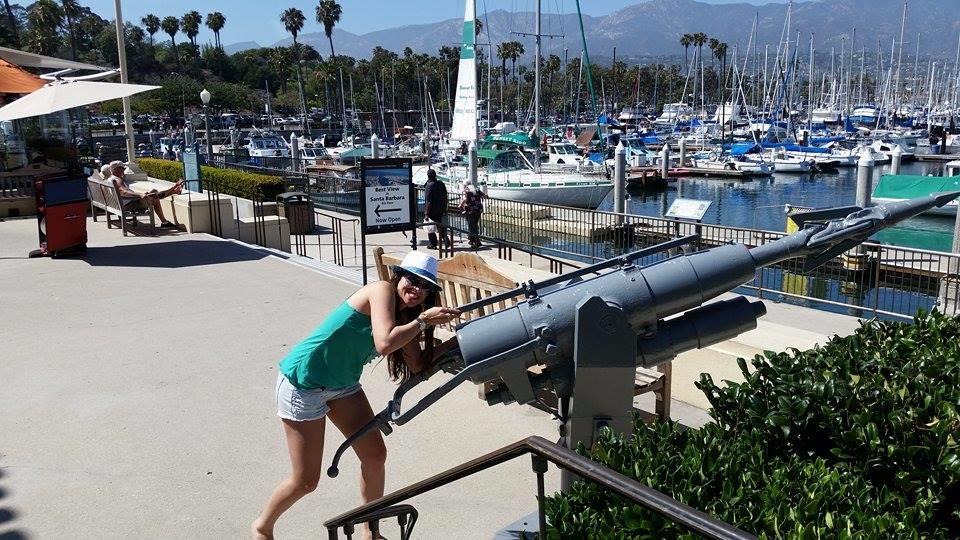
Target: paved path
(137,395)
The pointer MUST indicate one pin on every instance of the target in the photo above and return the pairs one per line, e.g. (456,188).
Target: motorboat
(564,153)
(511,175)
(887,147)
(267,144)
(784,162)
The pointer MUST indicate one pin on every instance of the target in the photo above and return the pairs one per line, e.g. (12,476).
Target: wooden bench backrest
(103,192)
(464,278)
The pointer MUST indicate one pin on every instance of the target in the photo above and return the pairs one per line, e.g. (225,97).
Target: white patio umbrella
(62,95)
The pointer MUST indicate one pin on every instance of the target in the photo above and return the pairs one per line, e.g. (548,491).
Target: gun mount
(588,336)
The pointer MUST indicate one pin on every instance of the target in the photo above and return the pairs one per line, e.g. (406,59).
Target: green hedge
(230,182)
(854,439)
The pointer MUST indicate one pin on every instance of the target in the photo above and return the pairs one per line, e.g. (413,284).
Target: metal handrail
(674,510)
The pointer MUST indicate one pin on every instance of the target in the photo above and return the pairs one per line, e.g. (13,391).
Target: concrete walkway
(137,391)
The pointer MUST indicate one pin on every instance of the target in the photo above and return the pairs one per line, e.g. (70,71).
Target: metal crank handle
(399,418)
(382,419)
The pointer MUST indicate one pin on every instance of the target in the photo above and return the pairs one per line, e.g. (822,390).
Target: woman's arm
(416,359)
(388,336)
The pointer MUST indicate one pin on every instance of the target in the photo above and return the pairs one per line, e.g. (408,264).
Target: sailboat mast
(810,88)
(536,92)
(896,87)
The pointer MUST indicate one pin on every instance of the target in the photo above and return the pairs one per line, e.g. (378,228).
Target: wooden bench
(466,277)
(103,195)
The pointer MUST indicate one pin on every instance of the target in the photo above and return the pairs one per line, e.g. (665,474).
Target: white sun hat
(420,264)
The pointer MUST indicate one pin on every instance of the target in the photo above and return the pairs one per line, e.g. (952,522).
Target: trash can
(62,204)
(297,208)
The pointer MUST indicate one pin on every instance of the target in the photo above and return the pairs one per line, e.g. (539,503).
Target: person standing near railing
(320,377)
(435,207)
(471,204)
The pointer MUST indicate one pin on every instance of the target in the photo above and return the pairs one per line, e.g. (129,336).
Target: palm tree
(328,14)
(170,26)
(551,66)
(478,27)
(44,17)
(293,19)
(190,24)
(152,23)
(215,22)
(12,21)
(686,40)
(72,11)
(503,52)
(713,44)
(516,51)
(279,61)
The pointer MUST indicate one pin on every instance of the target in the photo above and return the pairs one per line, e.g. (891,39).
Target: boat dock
(937,157)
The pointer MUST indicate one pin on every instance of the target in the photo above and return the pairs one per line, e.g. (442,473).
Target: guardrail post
(540,467)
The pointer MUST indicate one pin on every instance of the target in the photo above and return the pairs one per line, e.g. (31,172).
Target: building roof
(14,80)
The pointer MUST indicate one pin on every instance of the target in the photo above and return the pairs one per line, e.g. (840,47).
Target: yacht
(673,113)
(267,144)
(886,148)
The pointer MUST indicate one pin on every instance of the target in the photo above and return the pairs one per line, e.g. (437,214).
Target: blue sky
(256,20)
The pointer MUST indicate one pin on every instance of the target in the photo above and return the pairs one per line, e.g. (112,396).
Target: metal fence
(873,280)
(16,186)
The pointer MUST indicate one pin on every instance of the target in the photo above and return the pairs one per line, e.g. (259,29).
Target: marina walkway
(137,390)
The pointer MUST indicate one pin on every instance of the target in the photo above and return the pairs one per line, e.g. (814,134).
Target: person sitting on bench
(133,200)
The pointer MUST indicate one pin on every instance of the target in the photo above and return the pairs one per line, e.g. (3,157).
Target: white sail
(465,106)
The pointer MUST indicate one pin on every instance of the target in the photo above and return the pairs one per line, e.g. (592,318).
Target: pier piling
(294,152)
(374,146)
(896,157)
(857,258)
(683,151)
(619,181)
(665,162)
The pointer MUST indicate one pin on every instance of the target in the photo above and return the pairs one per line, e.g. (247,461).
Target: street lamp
(205,98)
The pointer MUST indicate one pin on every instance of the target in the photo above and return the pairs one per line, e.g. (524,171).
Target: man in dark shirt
(435,199)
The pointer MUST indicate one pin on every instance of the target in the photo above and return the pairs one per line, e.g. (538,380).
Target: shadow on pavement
(8,516)
(171,254)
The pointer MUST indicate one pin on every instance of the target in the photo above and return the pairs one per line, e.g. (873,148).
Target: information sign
(191,170)
(387,198)
(688,209)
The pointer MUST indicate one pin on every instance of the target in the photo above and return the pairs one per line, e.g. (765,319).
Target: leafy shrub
(854,439)
(228,181)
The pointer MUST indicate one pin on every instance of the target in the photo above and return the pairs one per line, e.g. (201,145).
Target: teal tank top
(333,355)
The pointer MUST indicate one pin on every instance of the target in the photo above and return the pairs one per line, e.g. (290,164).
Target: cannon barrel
(653,293)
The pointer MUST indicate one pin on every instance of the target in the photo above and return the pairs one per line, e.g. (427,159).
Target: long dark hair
(399,371)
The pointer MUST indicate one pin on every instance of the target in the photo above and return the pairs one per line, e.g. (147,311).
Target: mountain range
(653,28)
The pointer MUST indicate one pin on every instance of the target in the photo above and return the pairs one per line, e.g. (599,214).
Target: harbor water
(759,203)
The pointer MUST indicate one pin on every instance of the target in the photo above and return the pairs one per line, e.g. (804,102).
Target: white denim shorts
(303,405)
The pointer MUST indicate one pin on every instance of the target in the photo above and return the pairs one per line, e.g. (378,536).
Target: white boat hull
(579,196)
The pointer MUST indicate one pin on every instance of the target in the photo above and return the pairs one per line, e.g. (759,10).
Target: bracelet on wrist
(422,324)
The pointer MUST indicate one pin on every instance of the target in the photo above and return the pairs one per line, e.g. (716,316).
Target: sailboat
(512,174)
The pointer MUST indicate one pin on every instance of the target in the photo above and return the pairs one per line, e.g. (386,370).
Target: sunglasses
(419,282)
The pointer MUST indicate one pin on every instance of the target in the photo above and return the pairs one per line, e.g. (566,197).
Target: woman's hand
(439,315)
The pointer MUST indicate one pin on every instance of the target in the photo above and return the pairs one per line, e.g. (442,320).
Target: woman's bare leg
(349,414)
(305,445)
